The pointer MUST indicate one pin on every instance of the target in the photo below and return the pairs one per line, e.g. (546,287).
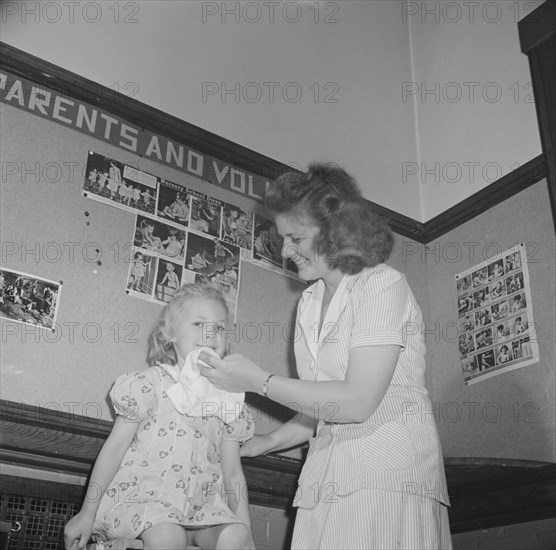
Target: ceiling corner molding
(507,186)
(23,64)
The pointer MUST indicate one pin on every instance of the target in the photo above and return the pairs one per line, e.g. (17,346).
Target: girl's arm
(354,399)
(79,528)
(234,480)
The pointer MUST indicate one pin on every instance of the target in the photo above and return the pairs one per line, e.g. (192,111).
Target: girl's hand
(257,445)
(234,373)
(78,531)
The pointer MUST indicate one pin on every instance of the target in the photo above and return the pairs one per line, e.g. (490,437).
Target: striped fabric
(374,520)
(396,452)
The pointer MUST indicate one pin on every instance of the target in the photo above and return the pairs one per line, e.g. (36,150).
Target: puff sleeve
(134,395)
(241,429)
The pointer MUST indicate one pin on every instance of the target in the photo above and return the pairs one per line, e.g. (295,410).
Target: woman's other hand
(258,445)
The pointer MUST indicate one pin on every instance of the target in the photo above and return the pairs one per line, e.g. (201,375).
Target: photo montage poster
(497,329)
(28,299)
(182,235)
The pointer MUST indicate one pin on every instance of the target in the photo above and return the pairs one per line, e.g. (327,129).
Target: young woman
(374,475)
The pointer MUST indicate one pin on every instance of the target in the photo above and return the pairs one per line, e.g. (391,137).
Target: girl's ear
(167,335)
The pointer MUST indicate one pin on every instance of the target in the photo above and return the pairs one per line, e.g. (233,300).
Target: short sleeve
(381,301)
(241,429)
(134,395)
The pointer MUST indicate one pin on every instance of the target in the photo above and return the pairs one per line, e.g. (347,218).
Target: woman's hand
(78,531)
(234,373)
(257,445)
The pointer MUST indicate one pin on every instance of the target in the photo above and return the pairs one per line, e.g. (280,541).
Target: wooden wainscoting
(485,492)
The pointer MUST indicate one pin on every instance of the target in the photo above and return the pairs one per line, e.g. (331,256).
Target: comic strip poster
(182,235)
(497,329)
(29,299)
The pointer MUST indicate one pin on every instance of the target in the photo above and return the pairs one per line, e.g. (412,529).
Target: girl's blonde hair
(161,349)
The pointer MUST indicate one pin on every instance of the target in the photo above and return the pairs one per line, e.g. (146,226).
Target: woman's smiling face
(300,245)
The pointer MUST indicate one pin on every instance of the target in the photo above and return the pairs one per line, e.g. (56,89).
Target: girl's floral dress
(171,473)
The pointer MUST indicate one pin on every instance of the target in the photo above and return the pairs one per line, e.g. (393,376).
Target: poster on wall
(142,273)
(267,248)
(497,329)
(29,299)
(216,262)
(119,184)
(182,235)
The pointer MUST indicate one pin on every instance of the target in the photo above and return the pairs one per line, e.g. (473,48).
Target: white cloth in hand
(194,395)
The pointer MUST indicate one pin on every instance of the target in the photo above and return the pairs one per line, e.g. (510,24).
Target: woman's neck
(331,282)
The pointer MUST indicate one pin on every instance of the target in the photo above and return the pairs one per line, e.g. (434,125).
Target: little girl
(170,279)
(138,271)
(169,472)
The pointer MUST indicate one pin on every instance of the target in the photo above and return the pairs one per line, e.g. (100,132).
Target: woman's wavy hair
(160,347)
(352,235)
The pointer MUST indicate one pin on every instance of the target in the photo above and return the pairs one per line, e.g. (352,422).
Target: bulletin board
(66,230)
(181,235)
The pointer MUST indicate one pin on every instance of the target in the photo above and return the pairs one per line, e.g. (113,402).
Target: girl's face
(200,324)
(299,246)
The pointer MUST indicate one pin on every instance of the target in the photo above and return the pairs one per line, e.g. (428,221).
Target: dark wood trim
(538,26)
(47,74)
(403,225)
(542,62)
(537,34)
(74,86)
(31,415)
(485,199)
(77,87)
(41,489)
(493,496)
(484,492)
